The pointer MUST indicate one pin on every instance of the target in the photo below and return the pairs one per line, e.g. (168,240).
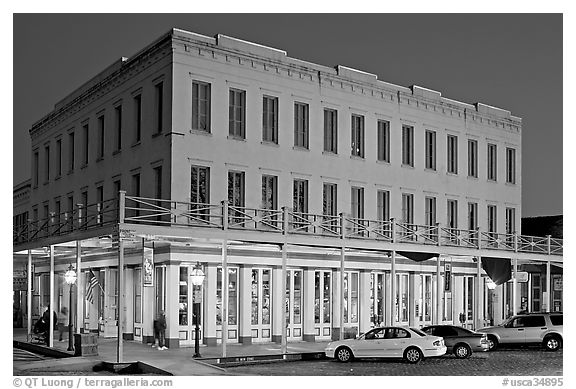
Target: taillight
(438,343)
(484,339)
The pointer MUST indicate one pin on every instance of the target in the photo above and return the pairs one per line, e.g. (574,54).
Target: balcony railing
(161,212)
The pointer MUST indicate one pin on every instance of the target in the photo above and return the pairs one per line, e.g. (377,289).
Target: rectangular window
(357,143)
(137,118)
(452,154)
(408,146)
(183,296)
(330,199)
(101,137)
(472,216)
(270,119)
(86,139)
(136,185)
(236,188)
(472,158)
(491,218)
(35,167)
(452,216)
(118,128)
(237,114)
(200,191)
(407,208)
(357,203)
(71,157)
(116,187)
(510,220)
(510,165)
(430,149)
(383,141)
(201,106)
(492,160)
(269,192)
(84,198)
(138,295)
(57,211)
(383,205)
(300,196)
(46,164)
(331,130)
(157,171)
(58,157)
(301,123)
(99,202)
(430,211)
(159,107)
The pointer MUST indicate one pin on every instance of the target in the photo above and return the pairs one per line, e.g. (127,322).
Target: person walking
(160,331)
(62,316)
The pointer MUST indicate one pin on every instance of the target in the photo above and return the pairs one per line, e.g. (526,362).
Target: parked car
(544,329)
(410,344)
(459,341)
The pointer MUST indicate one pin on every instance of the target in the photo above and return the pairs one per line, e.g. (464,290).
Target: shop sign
(148,266)
(447,277)
(521,276)
(558,284)
(19,283)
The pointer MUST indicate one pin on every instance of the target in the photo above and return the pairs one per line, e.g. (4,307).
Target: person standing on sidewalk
(62,316)
(160,331)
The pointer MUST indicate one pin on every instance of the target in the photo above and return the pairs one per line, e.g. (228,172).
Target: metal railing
(150,211)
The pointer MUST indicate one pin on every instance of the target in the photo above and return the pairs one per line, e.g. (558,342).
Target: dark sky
(505,60)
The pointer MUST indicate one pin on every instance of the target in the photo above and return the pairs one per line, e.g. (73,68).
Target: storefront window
(266,296)
(317,292)
(255,286)
(354,299)
(159,282)
(232,296)
(183,297)
(297,296)
(327,295)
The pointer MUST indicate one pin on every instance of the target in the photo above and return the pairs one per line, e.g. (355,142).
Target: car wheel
(344,354)
(492,343)
(462,351)
(552,343)
(413,355)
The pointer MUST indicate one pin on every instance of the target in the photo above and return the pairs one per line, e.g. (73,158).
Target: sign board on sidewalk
(447,277)
(521,276)
(148,266)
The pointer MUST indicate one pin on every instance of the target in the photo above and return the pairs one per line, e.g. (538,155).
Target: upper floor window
(330,199)
(118,128)
(237,114)
(201,106)
(269,192)
(200,185)
(492,159)
(452,154)
(510,165)
(58,157)
(491,218)
(86,139)
(46,163)
(472,158)
(357,143)
(71,147)
(300,196)
(408,208)
(236,188)
(270,119)
(430,149)
(301,123)
(472,216)
(137,118)
(408,146)
(452,216)
(331,130)
(383,140)
(159,107)
(357,203)
(430,211)
(101,137)
(35,168)
(510,220)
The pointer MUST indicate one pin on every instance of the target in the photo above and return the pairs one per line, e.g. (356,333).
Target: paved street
(520,362)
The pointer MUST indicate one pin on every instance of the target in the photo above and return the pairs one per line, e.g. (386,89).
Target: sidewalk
(177,361)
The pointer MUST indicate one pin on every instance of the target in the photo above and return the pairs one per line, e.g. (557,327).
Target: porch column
(278,305)
(309,295)
(284,340)
(392,296)
(514,286)
(245,304)
(439,293)
(387,299)
(478,315)
(79,289)
(364,293)
(336,305)
(224,295)
(415,299)
(342,272)
(121,302)
(548,299)
(209,318)
(52,301)
(29,298)
(173,305)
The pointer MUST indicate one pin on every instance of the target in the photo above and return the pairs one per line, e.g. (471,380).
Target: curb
(267,358)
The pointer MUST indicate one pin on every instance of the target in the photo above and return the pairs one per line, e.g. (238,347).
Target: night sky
(512,61)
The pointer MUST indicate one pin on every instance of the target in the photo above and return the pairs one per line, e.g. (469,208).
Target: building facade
(192,121)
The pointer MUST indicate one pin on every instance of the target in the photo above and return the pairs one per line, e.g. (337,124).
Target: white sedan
(393,342)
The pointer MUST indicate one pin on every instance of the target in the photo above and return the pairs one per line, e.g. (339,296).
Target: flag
(92,282)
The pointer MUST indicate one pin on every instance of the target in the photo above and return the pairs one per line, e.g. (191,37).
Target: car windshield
(505,322)
(419,332)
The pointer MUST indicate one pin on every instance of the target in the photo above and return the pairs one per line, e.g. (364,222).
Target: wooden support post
(29,298)
(284,340)
(52,301)
(224,278)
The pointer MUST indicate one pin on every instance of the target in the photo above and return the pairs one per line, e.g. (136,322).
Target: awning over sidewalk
(498,269)
(418,257)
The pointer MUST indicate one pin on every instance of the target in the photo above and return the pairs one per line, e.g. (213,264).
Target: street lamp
(197,277)
(70,278)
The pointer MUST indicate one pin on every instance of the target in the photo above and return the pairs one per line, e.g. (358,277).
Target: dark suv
(531,328)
